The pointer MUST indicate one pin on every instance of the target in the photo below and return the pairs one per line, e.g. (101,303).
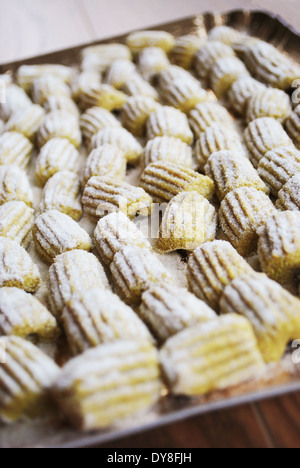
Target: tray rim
(183,414)
(6,66)
(82,439)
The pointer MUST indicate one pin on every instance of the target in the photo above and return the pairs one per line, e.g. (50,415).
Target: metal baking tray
(281,378)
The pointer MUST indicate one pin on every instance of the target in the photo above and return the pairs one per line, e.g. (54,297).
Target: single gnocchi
(241,91)
(14,185)
(269,65)
(185,50)
(263,135)
(215,355)
(115,231)
(17,270)
(105,160)
(184,94)
(225,72)
(139,40)
(189,221)
(21,314)
(272,311)
(24,380)
(167,310)
(27,74)
(94,120)
(102,95)
(57,155)
(83,81)
(175,74)
(207,114)
(98,317)
(55,233)
(26,121)
(279,246)
(62,192)
(278,166)
(151,61)
(211,268)
(134,270)
(15,149)
(269,102)
(73,273)
(59,102)
(131,367)
(293,126)
(167,121)
(104,195)
(136,85)
(46,86)
(226,34)
(243,211)
(167,149)
(230,170)
(59,124)
(217,138)
(120,138)
(208,54)
(289,195)
(99,57)
(164,180)
(136,112)
(16,222)
(15,99)
(119,72)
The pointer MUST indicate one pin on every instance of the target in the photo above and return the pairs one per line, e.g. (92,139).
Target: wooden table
(30,27)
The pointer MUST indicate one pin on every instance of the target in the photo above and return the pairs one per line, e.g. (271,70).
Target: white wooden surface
(31,27)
